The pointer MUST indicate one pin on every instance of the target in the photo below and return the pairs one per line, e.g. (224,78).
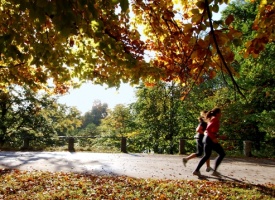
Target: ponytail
(213,112)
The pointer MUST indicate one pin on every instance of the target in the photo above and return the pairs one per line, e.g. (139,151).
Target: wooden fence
(247,144)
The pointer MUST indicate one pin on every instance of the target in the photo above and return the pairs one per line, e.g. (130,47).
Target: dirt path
(249,170)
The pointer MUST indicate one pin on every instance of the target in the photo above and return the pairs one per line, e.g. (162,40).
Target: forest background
(233,70)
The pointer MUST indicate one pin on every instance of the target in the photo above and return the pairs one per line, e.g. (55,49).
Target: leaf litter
(16,184)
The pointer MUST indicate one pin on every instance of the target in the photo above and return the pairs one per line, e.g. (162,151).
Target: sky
(84,97)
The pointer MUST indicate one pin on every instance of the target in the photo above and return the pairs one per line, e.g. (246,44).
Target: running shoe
(196,173)
(208,169)
(215,173)
(184,160)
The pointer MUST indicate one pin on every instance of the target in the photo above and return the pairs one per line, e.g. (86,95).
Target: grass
(15,184)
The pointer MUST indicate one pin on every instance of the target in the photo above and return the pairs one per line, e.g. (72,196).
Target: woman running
(199,138)
(211,141)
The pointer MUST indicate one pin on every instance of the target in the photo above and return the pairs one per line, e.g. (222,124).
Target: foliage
(118,123)
(266,119)
(61,41)
(100,41)
(97,113)
(188,44)
(157,112)
(264,26)
(256,76)
(17,184)
(91,122)
(25,114)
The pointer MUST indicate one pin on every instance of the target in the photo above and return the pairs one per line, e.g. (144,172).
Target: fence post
(247,147)
(71,144)
(26,144)
(123,145)
(182,146)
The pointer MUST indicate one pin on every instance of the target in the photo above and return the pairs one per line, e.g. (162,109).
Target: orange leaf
(229,20)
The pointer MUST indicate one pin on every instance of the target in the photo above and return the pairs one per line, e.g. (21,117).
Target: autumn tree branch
(219,51)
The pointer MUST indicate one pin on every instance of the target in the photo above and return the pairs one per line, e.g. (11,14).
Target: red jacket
(212,128)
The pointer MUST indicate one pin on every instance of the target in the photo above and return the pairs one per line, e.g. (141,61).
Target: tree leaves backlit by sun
(189,45)
(42,40)
(264,24)
(99,40)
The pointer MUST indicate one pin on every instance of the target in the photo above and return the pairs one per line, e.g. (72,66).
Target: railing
(247,148)
(71,141)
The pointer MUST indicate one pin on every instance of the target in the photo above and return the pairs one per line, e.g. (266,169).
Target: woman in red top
(199,138)
(211,141)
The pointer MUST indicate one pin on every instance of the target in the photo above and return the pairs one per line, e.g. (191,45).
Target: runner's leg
(218,148)
(207,153)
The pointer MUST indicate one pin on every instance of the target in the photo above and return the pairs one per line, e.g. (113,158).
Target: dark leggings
(208,147)
(200,145)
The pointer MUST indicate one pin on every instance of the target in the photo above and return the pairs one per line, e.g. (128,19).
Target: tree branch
(219,51)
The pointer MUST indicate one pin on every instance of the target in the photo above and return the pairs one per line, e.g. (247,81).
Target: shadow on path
(51,161)
(251,160)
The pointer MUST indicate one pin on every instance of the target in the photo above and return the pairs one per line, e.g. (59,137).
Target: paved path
(249,170)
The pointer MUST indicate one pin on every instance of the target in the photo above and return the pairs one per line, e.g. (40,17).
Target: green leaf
(215,8)
(237,42)
(124,4)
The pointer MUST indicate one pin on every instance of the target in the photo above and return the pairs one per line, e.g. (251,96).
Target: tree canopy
(103,41)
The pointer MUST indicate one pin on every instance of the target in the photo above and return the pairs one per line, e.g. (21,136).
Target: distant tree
(157,115)
(96,114)
(118,123)
(64,119)
(90,130)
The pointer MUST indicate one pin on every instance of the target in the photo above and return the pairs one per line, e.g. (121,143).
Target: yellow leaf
(195,11)
(196,19)
(263,2)
(194,54)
